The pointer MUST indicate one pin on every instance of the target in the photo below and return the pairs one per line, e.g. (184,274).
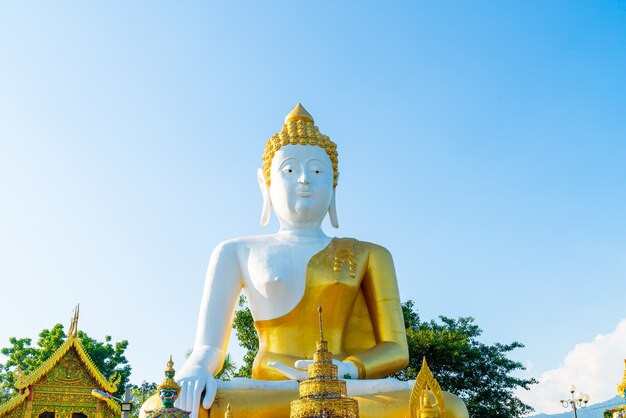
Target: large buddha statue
(285,276)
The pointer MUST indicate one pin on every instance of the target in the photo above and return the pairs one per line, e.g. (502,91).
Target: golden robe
(355,283)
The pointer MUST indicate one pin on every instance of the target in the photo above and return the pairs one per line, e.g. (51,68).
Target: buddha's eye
(316,169)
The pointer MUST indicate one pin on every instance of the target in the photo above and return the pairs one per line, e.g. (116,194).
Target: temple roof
(53,360)
(25,382)
(13,403)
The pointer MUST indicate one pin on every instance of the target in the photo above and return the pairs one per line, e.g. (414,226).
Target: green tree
(107,356)
(480,374)
(247,336)
(228,369)
(140,394)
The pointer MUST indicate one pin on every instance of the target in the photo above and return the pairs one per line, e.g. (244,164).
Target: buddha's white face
(301,183)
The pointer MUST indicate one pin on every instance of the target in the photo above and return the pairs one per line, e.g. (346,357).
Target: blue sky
(483,143)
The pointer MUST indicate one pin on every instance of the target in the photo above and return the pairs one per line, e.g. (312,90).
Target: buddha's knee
(455,407)
(153,402)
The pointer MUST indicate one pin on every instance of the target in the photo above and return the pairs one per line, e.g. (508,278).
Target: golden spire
(73,330)
(228,413)
(319,311)
(299,113)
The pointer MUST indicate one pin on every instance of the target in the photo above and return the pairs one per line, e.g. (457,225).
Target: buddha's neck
(301,230)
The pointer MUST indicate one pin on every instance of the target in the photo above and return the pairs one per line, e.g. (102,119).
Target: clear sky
(483,143)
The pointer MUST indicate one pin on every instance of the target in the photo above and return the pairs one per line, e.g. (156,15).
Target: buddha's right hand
(194,378)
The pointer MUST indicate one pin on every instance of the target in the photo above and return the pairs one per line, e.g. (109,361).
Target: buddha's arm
(222,287)
(380,289)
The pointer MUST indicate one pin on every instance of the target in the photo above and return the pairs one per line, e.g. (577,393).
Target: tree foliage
(228,370)
(247,336)
(140,394)
(480,374)
(107,356)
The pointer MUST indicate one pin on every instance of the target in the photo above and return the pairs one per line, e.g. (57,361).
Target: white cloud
(595,367)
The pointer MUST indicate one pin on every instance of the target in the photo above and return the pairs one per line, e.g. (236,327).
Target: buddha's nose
(303,179)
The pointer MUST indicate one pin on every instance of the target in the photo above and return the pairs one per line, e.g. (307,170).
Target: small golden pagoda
(323,395)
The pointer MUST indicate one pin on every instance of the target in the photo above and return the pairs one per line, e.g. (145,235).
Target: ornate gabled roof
(71,342)
(14,402)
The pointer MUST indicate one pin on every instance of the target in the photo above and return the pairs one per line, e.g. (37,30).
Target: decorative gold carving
(344,251)
(48,365)
(15,403)
(115,379)
(419,402)
(228,413)
(299,129)
(622,386)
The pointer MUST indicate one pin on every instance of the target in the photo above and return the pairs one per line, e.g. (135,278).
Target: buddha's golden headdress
(299,128)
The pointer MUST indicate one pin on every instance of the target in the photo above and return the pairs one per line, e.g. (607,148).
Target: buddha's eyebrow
(287,160)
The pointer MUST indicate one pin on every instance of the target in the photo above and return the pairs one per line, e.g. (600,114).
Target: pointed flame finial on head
(299,113)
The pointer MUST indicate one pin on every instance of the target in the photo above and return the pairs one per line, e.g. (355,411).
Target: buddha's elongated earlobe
(267,202)
(332,211)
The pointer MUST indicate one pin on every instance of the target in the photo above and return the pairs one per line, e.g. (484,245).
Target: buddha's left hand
(345,370)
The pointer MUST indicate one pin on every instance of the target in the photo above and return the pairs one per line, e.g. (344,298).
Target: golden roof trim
(14,402)
(53,360)
(622,386)
(114,406)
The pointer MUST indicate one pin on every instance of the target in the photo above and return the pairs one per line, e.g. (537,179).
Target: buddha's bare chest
(276,275)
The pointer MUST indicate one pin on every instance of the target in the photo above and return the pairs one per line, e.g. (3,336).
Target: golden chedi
(323,394)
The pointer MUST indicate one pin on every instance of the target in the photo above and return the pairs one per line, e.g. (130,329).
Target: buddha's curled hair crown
(299,129)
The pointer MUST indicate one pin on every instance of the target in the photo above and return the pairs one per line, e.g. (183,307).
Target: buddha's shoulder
(362,246)
(239,243)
